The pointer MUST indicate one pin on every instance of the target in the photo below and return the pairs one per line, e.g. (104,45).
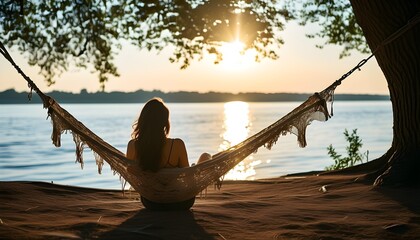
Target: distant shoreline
(12,97)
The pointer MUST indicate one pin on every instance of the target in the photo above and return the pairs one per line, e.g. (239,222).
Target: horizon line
(84,91)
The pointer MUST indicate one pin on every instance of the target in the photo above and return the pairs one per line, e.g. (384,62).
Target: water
(26,152)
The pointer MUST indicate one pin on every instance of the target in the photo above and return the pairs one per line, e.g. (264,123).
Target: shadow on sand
(148,224)
(409,198)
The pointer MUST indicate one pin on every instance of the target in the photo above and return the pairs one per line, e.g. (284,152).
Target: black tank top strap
(169,155)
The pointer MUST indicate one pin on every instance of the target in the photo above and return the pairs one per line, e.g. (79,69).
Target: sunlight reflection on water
(236,128)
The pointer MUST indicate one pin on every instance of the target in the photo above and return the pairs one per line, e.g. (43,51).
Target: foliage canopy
(54,34)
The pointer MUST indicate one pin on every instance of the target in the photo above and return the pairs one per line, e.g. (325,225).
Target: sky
(301,68)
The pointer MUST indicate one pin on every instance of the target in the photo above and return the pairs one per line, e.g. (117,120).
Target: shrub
(353,152)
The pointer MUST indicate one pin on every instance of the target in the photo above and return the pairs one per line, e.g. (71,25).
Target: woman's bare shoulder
(132,142)
(177,142)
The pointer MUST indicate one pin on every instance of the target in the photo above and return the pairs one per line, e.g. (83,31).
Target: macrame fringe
(60,127)
(184,183)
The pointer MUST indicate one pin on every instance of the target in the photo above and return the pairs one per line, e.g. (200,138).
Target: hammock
(180,184)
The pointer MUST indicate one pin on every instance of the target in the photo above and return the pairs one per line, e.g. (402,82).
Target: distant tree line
(12,97)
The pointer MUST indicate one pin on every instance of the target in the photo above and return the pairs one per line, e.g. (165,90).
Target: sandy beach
(308,207)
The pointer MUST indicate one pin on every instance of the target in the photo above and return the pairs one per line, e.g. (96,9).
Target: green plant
(353,151)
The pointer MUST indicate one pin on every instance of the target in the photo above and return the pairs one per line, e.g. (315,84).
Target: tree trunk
(400,62)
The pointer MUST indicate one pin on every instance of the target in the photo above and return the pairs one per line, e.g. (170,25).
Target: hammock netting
(179,184)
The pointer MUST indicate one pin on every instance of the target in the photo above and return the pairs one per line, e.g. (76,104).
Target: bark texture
(400,62)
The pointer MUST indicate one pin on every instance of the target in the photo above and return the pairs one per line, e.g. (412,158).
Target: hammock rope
(179,184)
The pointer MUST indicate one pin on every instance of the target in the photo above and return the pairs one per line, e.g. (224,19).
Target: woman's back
(174,153)
(151,148)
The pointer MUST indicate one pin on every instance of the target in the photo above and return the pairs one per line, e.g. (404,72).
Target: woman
(153,150)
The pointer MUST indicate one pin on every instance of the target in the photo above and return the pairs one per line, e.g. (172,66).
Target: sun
(235,56)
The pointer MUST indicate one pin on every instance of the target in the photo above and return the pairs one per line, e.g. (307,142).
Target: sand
(310,207)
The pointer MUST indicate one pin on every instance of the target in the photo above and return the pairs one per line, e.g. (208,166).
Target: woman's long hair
(150,133)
